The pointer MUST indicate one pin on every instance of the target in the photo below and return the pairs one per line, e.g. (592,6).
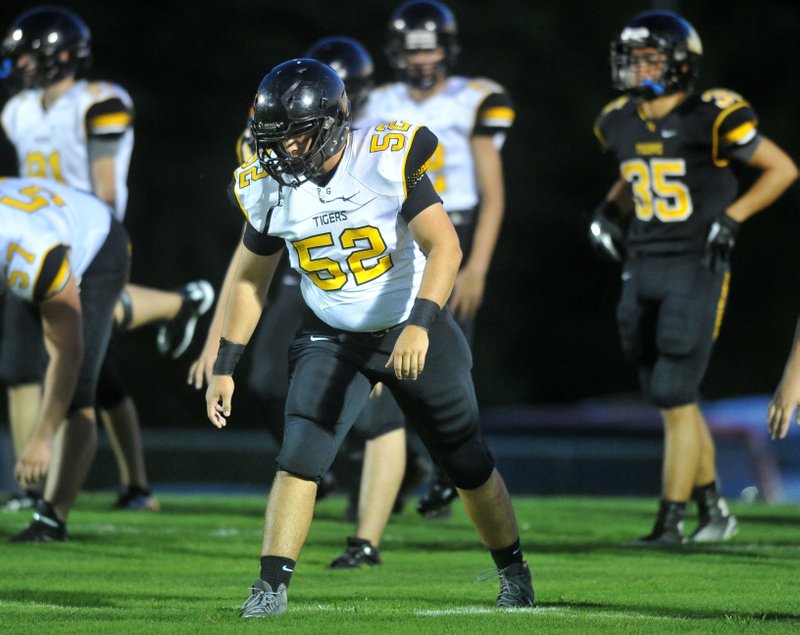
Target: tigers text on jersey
(360,266)
(679,166)
(54,143)
(463,107)
(39,215)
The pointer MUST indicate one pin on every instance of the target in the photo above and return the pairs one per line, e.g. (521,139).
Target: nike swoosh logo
(314,338)
(287,569)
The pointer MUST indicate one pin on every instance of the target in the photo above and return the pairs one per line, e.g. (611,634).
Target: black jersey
(679,166)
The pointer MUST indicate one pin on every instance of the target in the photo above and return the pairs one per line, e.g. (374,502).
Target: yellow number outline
(351,238)
(392,141)
(658,189)
(18,278)
(37,164)
(252,172)
(36,202)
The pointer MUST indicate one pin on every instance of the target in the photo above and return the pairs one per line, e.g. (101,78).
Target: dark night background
(546,332)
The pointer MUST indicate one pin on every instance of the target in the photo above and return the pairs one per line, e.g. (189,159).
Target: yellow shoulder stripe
(116,119)
(60,278)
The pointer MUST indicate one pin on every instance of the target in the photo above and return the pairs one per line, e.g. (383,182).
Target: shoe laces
(509,586)
(260,597)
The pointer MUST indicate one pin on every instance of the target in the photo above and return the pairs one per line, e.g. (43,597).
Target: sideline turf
(187,568)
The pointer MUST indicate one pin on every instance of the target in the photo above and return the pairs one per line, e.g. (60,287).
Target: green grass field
(187,568)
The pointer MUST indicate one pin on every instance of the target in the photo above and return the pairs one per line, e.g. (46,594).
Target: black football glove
(719,242)
(606,235)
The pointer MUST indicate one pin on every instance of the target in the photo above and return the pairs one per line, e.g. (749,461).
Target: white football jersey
(53,143)
(37,215)
(452,115)
(360,267)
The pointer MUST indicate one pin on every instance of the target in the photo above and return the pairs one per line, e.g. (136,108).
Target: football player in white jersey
(471,117)
(64,257)
(378,258)
(79,133)
(380,443)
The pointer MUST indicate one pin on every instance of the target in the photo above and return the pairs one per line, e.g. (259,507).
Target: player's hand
(719,242)
(202,369)
(218,399)
(607,237)
(408,355)
(34,461)
(467,294)
(783,404)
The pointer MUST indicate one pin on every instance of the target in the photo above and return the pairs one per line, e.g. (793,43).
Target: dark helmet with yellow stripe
(670,35)
(44,45)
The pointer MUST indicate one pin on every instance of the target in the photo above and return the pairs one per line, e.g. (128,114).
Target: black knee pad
(671,391)
(470,466)
(302,477)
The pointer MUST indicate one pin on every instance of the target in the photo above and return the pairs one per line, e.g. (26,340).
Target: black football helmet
(298,98)
(45,33)
(670,35)
(421,25)
(351,61)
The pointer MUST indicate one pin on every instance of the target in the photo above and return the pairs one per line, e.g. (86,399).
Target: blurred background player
(787,395)
(381,424)
(676,150)
(66,259)
(78,132)
(471,117)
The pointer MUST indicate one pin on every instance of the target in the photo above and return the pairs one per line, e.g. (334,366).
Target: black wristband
(227,357)
(423,313)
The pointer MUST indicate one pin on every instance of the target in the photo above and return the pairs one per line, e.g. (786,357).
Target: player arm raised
(61,317)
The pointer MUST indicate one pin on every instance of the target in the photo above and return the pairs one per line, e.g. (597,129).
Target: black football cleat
(358,551)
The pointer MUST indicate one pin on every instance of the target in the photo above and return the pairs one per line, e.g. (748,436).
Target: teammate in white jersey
(471,118)
(80,133)
(378,449)
(65,259)
(377,257)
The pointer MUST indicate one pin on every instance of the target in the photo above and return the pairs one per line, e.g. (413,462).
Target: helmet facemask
(326,137)
(675,45)
(299,98)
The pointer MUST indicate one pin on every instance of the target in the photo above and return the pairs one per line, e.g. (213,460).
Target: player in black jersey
(677,193)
